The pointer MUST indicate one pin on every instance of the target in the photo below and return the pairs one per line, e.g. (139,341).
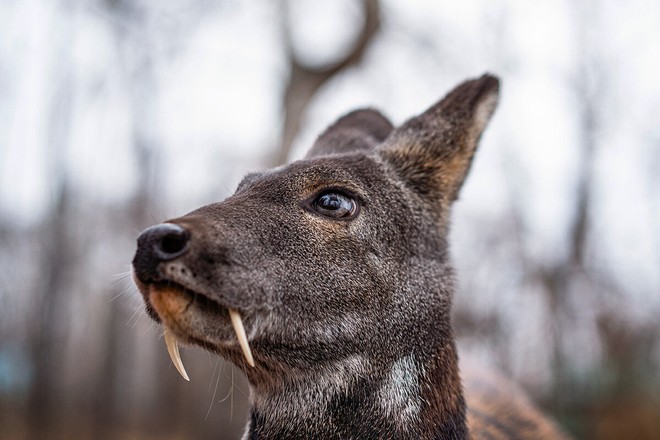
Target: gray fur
(348,319)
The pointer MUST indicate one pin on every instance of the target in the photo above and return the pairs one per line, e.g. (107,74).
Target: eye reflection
(334,205)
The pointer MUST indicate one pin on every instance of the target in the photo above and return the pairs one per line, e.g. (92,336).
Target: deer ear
(360,130)
(432,152)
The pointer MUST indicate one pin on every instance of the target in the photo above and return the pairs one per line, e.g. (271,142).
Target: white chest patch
(400,393)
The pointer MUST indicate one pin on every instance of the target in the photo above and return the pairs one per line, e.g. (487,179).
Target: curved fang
(173,350)
(237,322)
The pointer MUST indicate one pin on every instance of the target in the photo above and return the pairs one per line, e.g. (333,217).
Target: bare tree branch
(305,80)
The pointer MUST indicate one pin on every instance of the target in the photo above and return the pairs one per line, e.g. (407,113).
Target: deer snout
(157,244)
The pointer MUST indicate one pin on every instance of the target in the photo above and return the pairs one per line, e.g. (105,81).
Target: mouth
(171,302)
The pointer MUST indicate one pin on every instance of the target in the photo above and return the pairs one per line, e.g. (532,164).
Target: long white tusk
(173,350)
(237,322)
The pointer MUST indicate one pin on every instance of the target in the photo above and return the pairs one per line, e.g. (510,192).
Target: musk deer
(329,283)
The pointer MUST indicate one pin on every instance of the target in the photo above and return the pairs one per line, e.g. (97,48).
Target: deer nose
(157,244)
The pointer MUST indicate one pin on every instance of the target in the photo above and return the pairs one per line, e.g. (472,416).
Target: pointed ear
(432,152)
(356,131)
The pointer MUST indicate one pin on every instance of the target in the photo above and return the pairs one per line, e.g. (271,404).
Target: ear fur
(360,130)
(432,152)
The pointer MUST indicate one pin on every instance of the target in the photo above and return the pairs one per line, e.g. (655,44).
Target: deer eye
(334,205)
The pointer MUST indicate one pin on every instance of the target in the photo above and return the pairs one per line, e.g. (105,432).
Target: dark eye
(334,205)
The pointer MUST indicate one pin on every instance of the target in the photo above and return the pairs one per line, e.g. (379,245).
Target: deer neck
(413,396)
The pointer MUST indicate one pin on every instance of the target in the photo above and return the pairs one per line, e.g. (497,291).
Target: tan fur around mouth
(169,301)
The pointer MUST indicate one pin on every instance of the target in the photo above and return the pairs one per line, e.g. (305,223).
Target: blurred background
(118,114)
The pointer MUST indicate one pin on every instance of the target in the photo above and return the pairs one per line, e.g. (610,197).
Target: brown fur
(347,305)
(498,409)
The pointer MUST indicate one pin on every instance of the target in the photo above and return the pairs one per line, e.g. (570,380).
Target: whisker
(128,290)
(215,390)
(121,275)
(233,382)
(231,402)
(136,316)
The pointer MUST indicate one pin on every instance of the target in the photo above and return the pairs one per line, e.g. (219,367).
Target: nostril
(174,243)
(162,242)
(169,241)
(158,244)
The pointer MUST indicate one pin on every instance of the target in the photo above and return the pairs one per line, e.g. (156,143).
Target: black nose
(156,244)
